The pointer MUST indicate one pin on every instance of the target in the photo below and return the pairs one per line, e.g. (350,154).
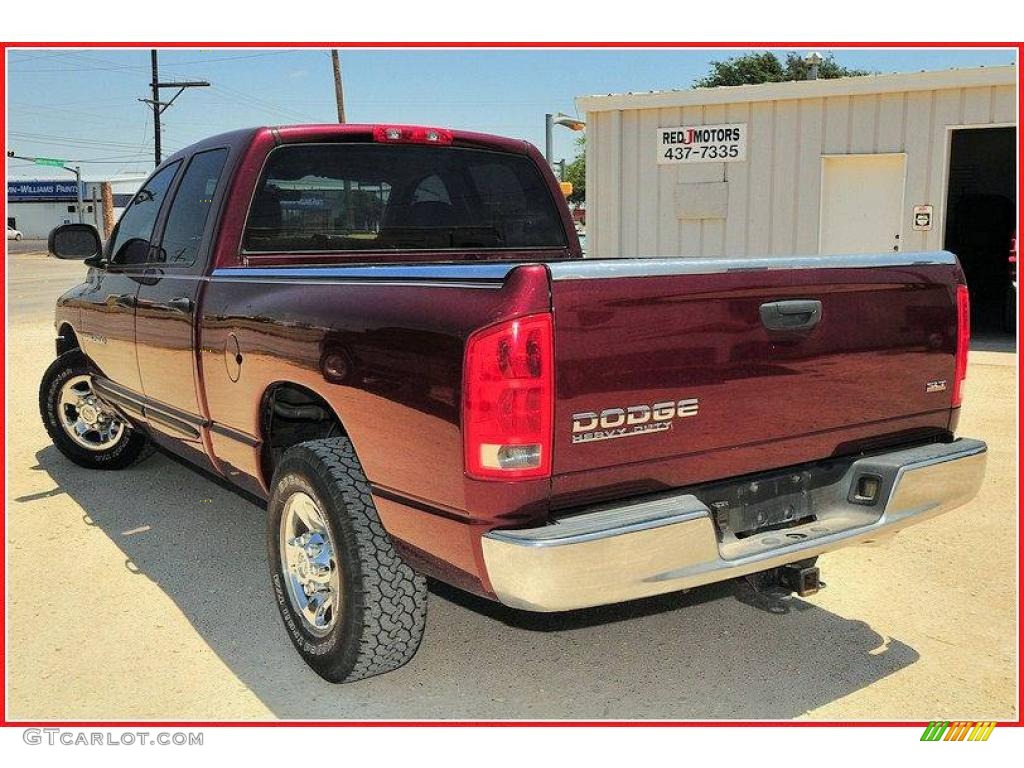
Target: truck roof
(251,146)
(298,134)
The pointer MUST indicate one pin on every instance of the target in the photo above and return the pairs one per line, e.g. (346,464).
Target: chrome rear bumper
(651,545)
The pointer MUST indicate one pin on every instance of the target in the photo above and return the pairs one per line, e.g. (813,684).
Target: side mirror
(75,241)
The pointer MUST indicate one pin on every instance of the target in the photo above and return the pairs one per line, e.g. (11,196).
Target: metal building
(906,162)
(36,206)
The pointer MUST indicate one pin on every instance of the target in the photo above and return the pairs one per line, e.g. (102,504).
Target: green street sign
(49,161)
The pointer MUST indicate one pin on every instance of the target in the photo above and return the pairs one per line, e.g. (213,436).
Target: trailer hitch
(803,578)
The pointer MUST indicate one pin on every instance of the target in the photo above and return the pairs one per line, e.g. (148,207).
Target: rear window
(372,197)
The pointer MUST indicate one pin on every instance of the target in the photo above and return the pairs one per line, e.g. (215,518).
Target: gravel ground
(144,594)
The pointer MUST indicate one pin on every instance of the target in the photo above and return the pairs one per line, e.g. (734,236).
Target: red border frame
(4,46)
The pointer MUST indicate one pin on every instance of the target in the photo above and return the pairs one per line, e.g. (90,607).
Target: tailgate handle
(795,315)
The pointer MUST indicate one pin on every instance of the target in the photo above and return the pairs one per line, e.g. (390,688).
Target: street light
(550,121)
(53,162)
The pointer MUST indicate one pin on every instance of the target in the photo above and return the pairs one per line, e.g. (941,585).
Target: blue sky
(83,105)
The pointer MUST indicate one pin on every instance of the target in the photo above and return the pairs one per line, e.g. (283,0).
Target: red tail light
(963,341)
(508,400)
(411,134)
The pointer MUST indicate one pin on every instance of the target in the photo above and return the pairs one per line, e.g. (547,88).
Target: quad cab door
(168,295)
(107,326)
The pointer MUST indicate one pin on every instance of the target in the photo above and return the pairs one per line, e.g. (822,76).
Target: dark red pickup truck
(388,333)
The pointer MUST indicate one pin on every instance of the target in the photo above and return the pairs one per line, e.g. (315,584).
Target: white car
(12,233)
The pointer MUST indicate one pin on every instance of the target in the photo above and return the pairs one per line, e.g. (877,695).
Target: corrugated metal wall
(773,196)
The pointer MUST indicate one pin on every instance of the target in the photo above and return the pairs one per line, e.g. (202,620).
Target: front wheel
(352,608)
(81,425)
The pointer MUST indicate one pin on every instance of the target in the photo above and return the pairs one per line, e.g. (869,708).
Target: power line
(113,66)
(130,151)
(256,103)
(234,58)
(43,138)
(141,145)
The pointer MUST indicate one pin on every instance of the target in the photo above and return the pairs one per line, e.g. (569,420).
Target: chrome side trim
(485,286)
(472,275)
(178,426)
(599,269)
(127,401)
(133,403)
(650,546)
(468,275)
(234,434)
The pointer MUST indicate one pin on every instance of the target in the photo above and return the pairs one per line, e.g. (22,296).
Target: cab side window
(131,240)
(190,209)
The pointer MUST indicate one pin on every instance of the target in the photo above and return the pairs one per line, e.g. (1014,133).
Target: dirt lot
(144,594)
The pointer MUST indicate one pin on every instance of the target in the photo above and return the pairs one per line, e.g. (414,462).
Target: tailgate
(666,367)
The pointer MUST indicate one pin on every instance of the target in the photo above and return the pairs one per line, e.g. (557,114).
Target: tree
(766,67)
(576,171)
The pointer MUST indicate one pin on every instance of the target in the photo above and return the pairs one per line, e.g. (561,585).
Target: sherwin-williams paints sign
(40,190)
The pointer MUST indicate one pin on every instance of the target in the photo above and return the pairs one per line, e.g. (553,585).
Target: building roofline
(804,89)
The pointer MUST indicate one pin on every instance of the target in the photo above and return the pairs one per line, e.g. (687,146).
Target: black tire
(383,601)
(133,444)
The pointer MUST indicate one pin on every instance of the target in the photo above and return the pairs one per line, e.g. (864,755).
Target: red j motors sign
(702,144)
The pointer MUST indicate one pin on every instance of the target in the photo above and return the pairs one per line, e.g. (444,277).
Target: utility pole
(549,138)
(339,91)
(159,106)
(77,170)
(339,97)
(154,84)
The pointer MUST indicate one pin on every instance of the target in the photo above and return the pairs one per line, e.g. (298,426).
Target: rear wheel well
(66,340)
(291,414)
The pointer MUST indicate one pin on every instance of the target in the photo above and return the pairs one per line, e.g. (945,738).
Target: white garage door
(862,203)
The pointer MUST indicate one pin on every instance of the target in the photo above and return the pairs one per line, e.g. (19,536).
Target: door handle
(124,300)
(181,304)
(795,315)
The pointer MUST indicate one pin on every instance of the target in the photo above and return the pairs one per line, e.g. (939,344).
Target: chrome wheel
(309,564)
(85,418)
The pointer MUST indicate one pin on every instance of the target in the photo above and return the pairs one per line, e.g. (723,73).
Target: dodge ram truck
(389,336)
